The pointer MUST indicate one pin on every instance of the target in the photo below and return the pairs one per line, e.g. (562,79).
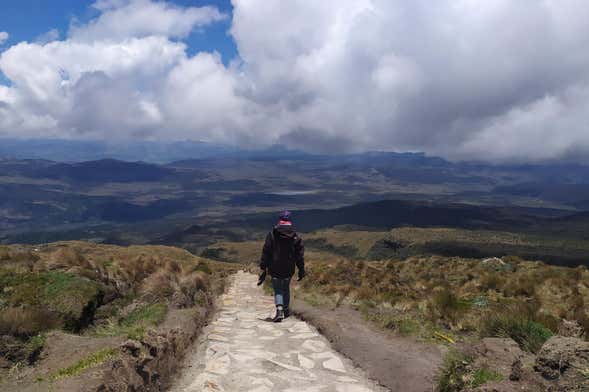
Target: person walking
(283,250)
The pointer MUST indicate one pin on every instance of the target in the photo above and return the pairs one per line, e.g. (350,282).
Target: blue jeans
(281,291)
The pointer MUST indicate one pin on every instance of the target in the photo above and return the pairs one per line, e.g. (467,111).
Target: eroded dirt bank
(84,317)
(150,364)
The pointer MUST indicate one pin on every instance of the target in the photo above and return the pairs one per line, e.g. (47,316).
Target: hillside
(490,313)
(68,307)
(73,309)
(417,228)
(40,196)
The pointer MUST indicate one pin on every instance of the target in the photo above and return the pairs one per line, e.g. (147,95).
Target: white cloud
(497,80)
(436,77)
(49,36)
(101,88)
(3,37)
(121,19)
(551,127)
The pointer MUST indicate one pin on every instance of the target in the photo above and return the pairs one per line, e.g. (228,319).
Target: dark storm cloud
(317,141)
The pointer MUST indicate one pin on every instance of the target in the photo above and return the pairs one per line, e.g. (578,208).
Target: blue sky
(26,20)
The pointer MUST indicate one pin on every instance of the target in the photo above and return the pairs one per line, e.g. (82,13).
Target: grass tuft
(483,376)
(408,327)
(457,374)
(529,335)
(149,315)
(452,375)
(35,345)
(92,360)
(135,323)
(447,305)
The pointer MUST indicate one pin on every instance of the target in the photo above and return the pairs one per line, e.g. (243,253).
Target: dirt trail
(399,363)
(241,351)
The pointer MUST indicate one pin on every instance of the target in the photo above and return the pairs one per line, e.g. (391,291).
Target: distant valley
(234,195)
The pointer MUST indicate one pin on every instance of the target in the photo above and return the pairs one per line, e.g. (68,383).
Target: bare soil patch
(398,363)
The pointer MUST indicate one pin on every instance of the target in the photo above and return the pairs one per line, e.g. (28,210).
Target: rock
(563,359)
(516,370)
(500,354)
(309,335)
(261,381)
(241,357)
(261,389)
(206,382)
(284,365)
(305,362)
(5,363)
(13,350)
(300,328)
(212,386)
(334,364)
(314,345)
(351,388)
(257,353)
(122,376)
(219,365)
(218,338)
(497,264)
(570,329)
(347,379)
(131,347)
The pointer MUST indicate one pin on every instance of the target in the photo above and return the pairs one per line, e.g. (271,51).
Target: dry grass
(417,235)
(159,285)
(64,258)
(89,288)
(27,322)
(453,293)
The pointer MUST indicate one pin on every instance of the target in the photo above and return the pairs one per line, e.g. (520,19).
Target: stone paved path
(240,351)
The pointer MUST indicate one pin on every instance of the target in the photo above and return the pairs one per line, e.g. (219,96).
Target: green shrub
(529,334)
(35,345)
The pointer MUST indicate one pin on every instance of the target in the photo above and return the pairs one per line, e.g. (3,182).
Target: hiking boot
(279,314)
(286,312)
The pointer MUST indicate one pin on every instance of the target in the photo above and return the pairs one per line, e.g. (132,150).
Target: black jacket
(283,250)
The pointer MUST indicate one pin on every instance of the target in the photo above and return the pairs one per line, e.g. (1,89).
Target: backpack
(283,249)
